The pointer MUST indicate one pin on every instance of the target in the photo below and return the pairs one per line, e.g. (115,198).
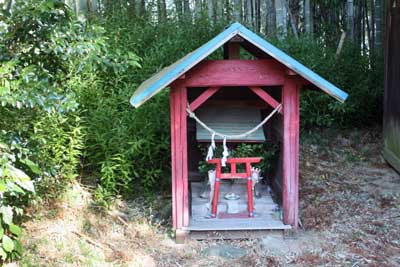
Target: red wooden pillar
(290,100)
(179,164)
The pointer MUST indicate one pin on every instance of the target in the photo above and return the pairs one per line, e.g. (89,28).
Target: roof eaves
(142,94)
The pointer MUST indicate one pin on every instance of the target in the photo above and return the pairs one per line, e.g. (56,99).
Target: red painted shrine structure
(273,77)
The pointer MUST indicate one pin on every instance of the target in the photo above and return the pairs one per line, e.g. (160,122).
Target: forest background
(68,69)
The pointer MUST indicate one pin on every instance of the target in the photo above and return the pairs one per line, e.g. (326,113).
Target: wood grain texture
(290,99)
(179,164)
(264,96)
(213,73)
(172,105)
(203,98)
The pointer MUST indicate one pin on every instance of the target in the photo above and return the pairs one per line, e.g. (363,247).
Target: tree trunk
(372,4)
(378,23)
(142,8)
(271,18)
(9,5)
(186,9)
(307,18)
(198,9)
(357,24)
(249,12)
(362,15)
(257,7)
(161,10)
(132,8)
(367,22)
(227,10)
(236,10)
(350,19)
(219,9)
(210,9)
(281,19)
(293,23)
(179,9)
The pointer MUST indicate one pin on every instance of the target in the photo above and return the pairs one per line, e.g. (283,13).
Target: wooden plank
(391,100)
(290,177)
(233,176)
(229,121)
(255,223)
(203,97)
(232,50)
(391,158)
(291,72)
(232,235)
(264,96)
(256,103)
(213,73)
(237,160)
(184,157)
(172,106)
(236,141)
(179,167)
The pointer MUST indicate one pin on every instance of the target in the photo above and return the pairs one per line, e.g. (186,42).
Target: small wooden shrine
(232,101)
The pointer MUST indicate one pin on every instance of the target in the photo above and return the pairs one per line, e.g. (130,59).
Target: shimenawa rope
(225,153)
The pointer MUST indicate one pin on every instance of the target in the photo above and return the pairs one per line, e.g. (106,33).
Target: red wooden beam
(290,177)
(172,106)
(236,160)
(219,73)
(179,164)
(203,97)
(264,96)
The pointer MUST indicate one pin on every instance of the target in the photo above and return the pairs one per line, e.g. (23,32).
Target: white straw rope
(236,136)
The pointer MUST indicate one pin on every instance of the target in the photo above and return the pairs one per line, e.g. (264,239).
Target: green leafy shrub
(15,187)
(48,58)
(359,74)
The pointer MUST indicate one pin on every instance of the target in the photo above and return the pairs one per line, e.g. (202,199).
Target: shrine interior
(234,110)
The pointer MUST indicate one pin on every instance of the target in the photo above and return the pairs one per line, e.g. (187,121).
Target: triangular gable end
(169,74)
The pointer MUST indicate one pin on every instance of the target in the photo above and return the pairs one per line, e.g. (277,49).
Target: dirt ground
(349,211)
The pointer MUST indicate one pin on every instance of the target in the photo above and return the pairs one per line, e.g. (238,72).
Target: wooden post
(179,164)
(290,100)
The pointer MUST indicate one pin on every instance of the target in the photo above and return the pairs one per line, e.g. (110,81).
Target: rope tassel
(210,153)
(225,154)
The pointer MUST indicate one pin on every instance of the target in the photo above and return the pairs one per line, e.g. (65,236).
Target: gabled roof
(169,74)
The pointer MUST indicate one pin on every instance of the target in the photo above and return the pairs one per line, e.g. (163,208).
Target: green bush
(15,187)
(354,71)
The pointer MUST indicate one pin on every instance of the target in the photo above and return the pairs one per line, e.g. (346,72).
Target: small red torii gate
(234,175)
(253,74)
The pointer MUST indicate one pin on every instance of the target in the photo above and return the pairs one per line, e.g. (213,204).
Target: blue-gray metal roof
(169,74)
